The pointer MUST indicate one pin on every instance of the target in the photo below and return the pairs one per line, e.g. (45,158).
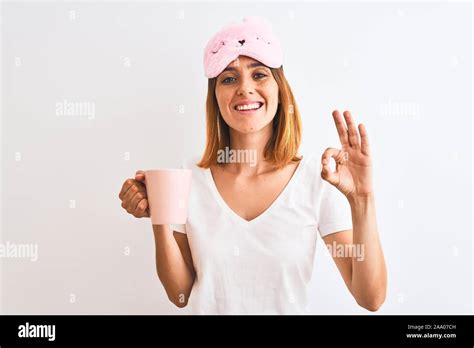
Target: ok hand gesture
(353,175)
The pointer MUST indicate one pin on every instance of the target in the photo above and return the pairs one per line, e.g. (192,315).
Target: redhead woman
(248,245)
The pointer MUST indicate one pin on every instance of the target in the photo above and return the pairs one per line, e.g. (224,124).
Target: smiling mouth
(248,108)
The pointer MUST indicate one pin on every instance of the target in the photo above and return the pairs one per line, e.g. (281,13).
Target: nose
(246,86)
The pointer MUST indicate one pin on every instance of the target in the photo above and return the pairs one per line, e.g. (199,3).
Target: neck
(248,150)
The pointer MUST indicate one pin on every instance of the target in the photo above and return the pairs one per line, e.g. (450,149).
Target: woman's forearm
(173,272)
(369,274)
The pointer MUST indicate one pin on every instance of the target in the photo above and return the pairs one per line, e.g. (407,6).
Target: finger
(328,175)
(132,192)
(141,215)
(353,134)
(364,139)
(135,200)
(341,127)
(133,189)
(338,155)
(125,187)
(140,175)
(142,206)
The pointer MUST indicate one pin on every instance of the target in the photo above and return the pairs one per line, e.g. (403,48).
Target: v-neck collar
(236,217)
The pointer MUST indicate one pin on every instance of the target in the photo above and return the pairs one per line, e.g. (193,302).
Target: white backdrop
(133,72)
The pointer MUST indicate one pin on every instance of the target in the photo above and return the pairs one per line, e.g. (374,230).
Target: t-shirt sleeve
(181,228)
(334,211)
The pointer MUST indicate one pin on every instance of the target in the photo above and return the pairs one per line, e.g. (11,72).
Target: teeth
(248,106)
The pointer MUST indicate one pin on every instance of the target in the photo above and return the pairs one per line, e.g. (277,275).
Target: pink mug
(168,195)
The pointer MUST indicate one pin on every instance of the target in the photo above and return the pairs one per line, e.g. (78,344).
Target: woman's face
(247,94)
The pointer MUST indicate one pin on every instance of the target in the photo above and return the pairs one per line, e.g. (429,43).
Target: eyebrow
(252,65)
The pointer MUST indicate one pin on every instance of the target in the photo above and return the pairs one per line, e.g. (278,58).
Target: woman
(249,241)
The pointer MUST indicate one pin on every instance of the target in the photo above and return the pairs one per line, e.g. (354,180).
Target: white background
(405,70)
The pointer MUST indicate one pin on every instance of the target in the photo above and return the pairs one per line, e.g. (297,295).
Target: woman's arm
(363,269)
(369,274)
(365,273)
(174,264)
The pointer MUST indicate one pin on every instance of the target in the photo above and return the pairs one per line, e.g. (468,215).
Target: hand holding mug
(134,196)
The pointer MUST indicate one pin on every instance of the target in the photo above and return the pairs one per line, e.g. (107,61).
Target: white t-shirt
(262,266)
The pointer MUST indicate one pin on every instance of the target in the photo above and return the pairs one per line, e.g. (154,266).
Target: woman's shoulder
(311,159)
(311,171)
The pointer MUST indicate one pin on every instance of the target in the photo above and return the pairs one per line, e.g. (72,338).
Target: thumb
(326,172)
(339,155)
(330,176)
(140,175)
